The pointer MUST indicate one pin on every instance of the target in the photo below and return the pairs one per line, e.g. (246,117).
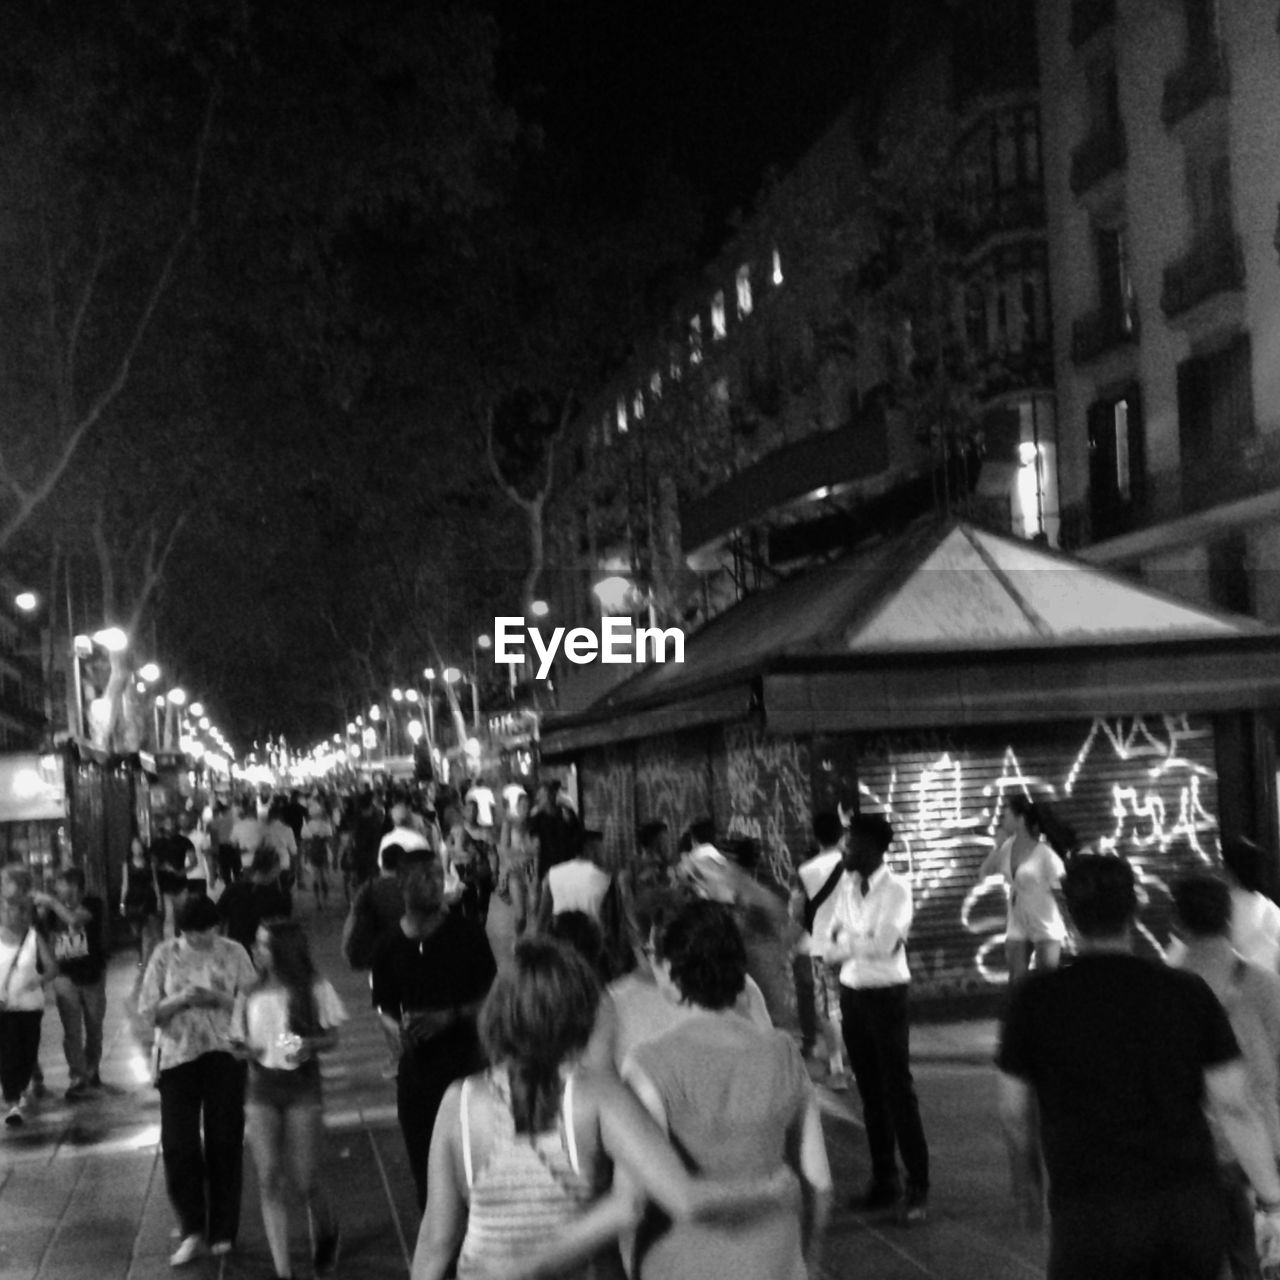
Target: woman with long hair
(282,1025)
(518,865)
(520,1151)
(1031,871)
(735,1100)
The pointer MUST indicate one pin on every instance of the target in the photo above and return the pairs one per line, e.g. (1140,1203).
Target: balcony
(1099,332)
(1214,264)
(1088,17)
(1102,153)
(1202,77)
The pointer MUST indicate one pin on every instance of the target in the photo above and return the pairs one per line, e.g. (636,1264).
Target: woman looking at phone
(188,992)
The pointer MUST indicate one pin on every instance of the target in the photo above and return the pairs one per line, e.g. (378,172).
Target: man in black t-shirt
(245,904)
(74,924)
(429,978)
(1121,1053)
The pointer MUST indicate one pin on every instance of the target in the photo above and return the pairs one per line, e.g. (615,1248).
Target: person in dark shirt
(557,827)
(248,902)
(171,854)
(73,922)
(1120,1053)
(429,978)
(365,838)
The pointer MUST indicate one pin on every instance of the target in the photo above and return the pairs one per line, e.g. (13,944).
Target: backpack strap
(813,904)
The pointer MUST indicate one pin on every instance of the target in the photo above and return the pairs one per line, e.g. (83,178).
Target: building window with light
(655,385)
(718,322)
(776,275)
(743,282)
(622,415)
(637,406)
(695,340)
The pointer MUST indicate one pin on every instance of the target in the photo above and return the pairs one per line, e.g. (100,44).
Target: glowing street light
(615,594)
(485,641)
(539,608)
(397,695)
(429,673)
(178,697)
(452,675)
(415,730)
(375,712)
(204,721)
(112,639)
(411,695)
(351,727)
(149,672)
(26,601)
(197,709)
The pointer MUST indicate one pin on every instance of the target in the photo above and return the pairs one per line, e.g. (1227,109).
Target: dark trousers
(1174,1235)
(229,865)
(806,1005)
(421,1084)
(204,1177)
(877,1040)
(19,1049)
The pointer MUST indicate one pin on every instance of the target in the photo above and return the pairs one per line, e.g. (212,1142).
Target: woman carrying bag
(27,967)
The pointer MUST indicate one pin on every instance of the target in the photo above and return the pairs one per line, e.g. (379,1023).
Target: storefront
(927,679)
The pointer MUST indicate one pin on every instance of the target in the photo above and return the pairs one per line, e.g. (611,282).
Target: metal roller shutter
(1145,787)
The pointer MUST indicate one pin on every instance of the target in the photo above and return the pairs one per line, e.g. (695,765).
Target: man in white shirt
(867,937)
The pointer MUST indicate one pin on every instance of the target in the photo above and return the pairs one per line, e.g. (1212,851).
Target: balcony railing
(1103,152)
(1095,334)
(1249,467)
(1214,264)
(1203,76)
(1089,17)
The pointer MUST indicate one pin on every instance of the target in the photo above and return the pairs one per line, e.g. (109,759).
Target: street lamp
(112,639)
(26,601)
(149,672)
(485,641)
(177,697)
(539,608)
(429,673)
(411,695)
(197,709)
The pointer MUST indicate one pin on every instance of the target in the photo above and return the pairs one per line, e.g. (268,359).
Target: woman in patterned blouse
(188,992)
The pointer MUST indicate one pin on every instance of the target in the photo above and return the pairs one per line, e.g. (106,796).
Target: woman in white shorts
(1031,871)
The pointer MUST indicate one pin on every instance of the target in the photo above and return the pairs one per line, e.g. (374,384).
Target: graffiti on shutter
(608,784)
(1144,787)
(673,781)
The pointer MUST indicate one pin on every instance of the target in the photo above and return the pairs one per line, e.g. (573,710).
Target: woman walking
(281,1026)
(521,1150)
(27,968)
(736,1101)
(140,902)
(1031,871)
(189,991)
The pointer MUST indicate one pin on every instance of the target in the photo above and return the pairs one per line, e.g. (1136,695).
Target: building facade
(1162,173)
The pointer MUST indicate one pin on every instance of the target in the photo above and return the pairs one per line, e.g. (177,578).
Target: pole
(475,701)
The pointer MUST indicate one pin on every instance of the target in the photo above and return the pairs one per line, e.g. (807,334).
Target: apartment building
(1161,120)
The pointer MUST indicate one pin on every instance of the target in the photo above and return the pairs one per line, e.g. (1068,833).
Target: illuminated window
(1124,480)
(744,291)
(655,385)
(695,340)
(637,407)
(718,328)
(676,368)
(622,415)
(1029,489)
(777,267)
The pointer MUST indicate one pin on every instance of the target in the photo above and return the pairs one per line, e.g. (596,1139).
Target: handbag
(8,977)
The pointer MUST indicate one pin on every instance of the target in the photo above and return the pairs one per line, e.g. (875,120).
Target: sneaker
(220,1248)
(16,1115)
(95,1080)
(325,1257)
(878,1195)
(79,1089)
(187,1251)
(915,1207)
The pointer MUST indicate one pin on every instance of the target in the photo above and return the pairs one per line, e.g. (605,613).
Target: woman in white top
(1031,872)
(27,967)
(292,1015)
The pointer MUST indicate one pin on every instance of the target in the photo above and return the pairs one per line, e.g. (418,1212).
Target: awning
(946,625)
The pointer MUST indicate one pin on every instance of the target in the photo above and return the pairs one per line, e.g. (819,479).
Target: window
(1116,467)
(675,368)
(777,268)
(622,416)
(718,328)
(744,291)
(1215,413)
(1209,191)
(655,384)
(695,340)
(637,406)
(1115,282)
(1104,97)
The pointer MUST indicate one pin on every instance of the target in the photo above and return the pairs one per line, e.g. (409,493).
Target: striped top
(528,1188)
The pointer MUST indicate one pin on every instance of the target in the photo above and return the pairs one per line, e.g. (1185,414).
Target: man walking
(74,922)
(1121,1053)
(867,937)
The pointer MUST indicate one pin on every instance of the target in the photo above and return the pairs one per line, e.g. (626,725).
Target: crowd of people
(608,1069)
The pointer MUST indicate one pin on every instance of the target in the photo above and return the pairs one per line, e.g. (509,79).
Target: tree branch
(68,363)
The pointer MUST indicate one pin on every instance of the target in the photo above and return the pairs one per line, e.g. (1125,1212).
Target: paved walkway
(82,1190)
